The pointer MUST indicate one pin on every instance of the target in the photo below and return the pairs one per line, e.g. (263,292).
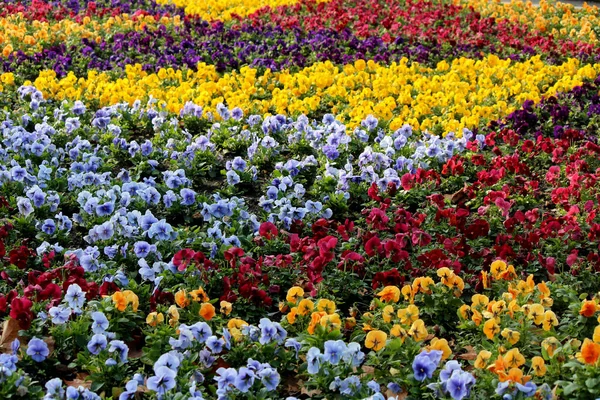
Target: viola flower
(588,308)
(97,343)
(207,311)
(163,381)
(423,365)
(226,307)
(153,319)
(390,293)
(375,340)
(459,384)
(590,352)
(37,349)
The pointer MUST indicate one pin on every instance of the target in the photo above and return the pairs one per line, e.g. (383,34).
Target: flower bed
(267,205)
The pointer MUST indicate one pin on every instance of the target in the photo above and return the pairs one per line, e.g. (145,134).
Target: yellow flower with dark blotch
(305,307)
(442,345)
(375,340)
(331,322)
(538,365)
(491,329)
(418,331)
(445,274)
(550,320)
(497,268)
(407,292)
(485,279)
(457,284)
(465,311)
(173,315)
(181,298)
(550,345)
(155,318)
(547,302)
(482,359)
(496,309)
(226,307)
(388,313)
(326,305)
(536,313)
(399,332)
(199,295)
(409,314)
(389,293)
(511,336)
(513,358)
(294,294)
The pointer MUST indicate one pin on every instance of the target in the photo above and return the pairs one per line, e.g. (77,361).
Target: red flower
(20,309)
(268,230)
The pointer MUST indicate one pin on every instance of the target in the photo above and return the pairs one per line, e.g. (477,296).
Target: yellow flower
(388,313)
(181,299)
(199,295)
(550,345)
(479,300)
(375,340)
(464,311)
(550,320)
(497,268)
(173,315)
(390,293)
(491,329)
(418,331)
(399,332)
(154,319)
(350,323)
(305,306)
(513,358)
(407,292)
(477,317)
(445,274)
(442,345)
(511,336)
(326,305)
(236,323)
(294,294)
(538,365)
(536,313)
(596,337)
(409,314)
(482,359)
(226,307)
(331,321)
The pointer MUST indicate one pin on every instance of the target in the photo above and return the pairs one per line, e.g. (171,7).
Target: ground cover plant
(346,199)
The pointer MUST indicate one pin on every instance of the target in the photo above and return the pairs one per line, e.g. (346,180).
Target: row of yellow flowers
(463,93)
(18,33)
(549,17)
(224,9)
